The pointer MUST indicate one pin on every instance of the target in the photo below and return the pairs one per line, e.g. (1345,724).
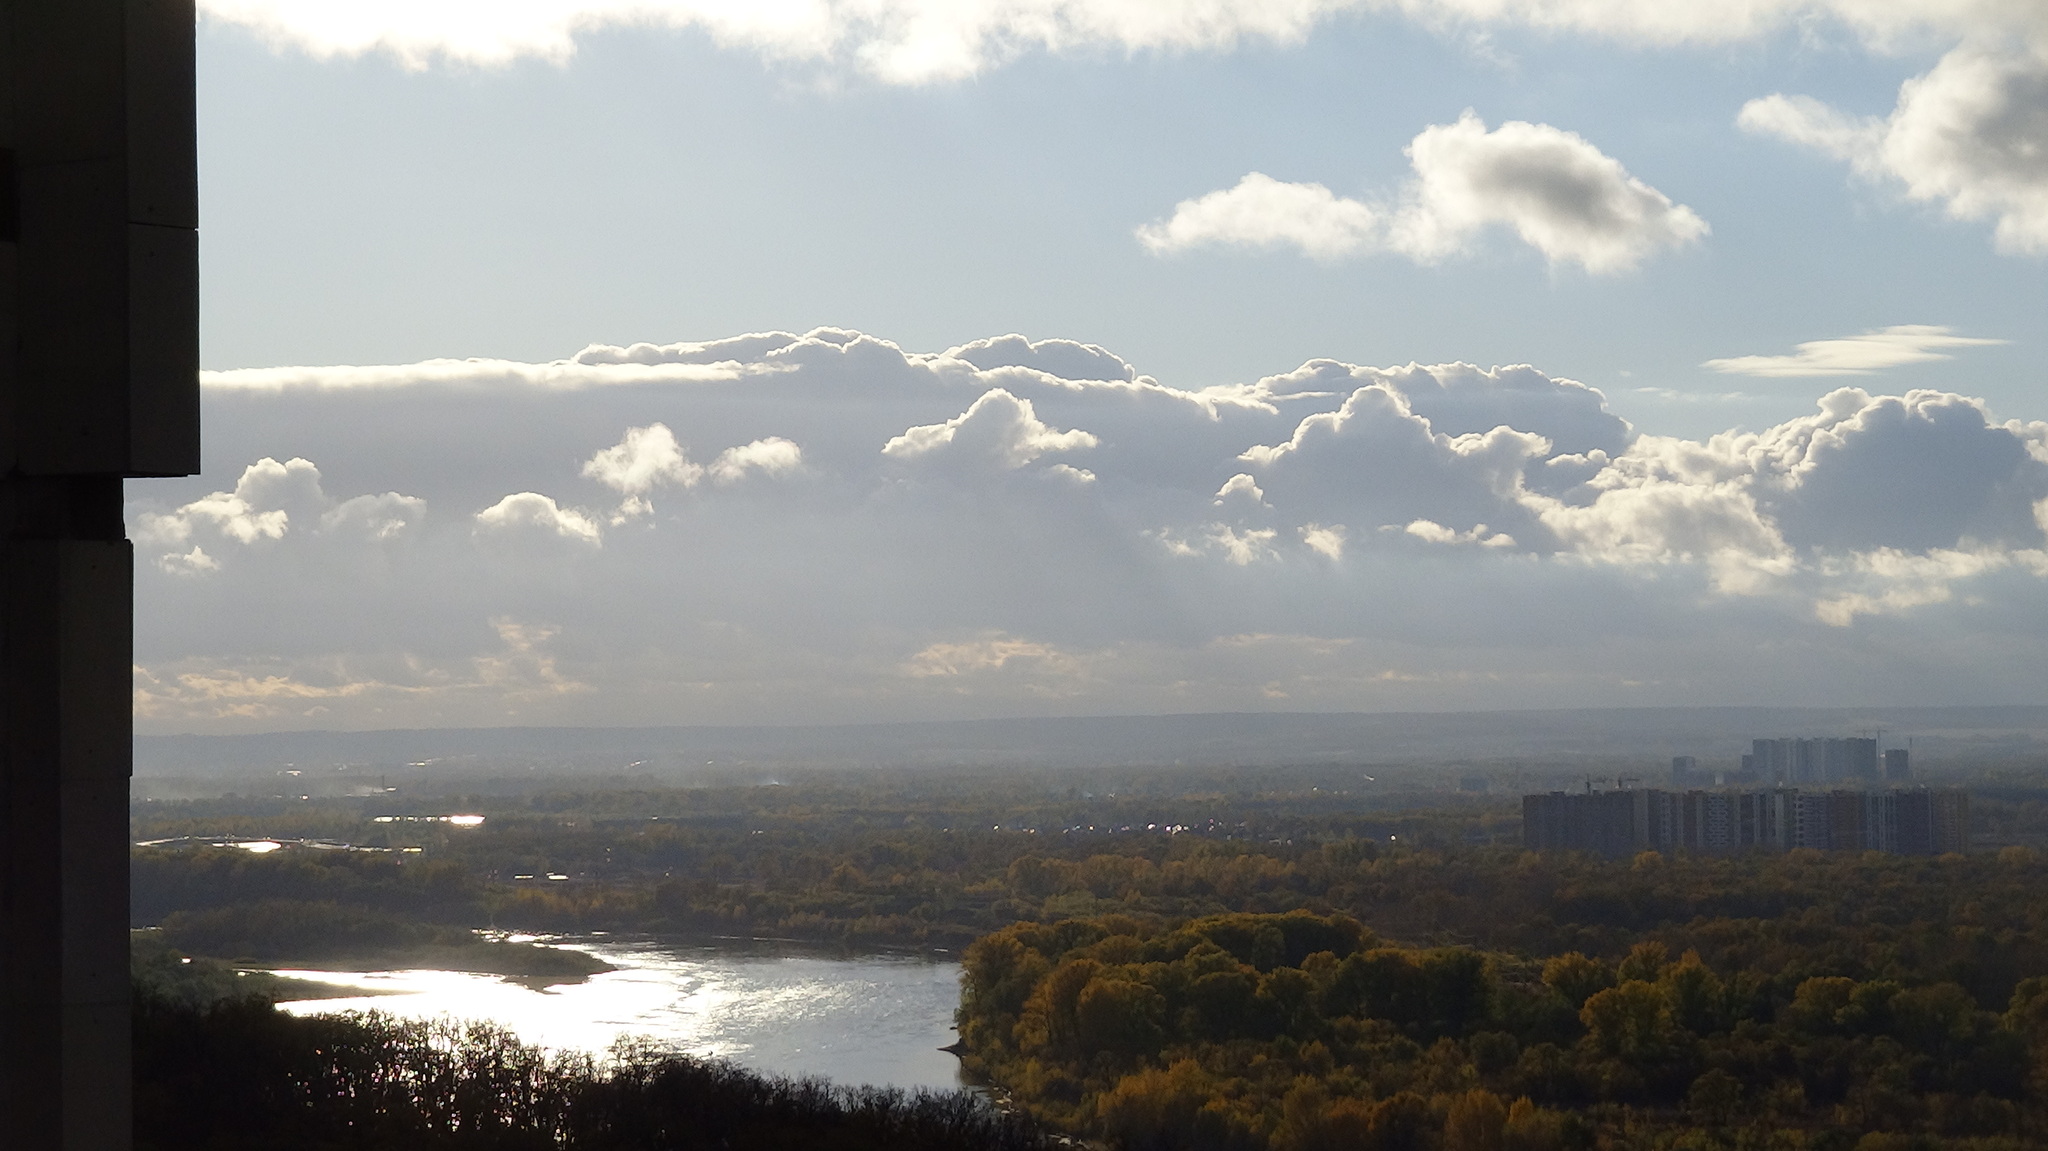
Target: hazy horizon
(1530,746)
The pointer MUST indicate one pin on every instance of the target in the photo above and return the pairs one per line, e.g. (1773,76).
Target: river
(872,1019)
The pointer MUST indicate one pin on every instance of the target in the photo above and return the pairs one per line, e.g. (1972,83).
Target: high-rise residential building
(1614,823)
(1792,761)
(1601,822)
(1896,769)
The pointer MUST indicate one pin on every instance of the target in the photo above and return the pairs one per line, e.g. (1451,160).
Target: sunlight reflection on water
(870,1019)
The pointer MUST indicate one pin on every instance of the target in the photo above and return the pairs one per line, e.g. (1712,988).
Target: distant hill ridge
(1949,734)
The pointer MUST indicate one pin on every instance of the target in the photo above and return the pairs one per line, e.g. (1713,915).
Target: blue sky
(400,191)
(656,187)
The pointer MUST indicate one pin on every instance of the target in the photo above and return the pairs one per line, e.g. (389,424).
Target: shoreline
(542,964)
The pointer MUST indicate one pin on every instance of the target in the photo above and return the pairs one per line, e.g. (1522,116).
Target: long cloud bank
(830,526)
(921,41)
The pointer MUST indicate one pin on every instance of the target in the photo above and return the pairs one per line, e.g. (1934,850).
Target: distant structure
(1895,768)
(1621,822)
(1792,761)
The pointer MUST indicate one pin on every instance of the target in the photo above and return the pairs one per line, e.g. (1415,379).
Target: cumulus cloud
(1436,533)
(1921,472)
(530,514)
(1661,505)
(380,517)
(1240,488)
(192,563)
(1903,581)
(1374,460)
(1861,355)
(997,432)
(1810,500)
(1418,535)
(918,42)
(1970,135)
(1261,212)
(1327,542)
(1061,359)
(651,457)
(1553,188)
(772,457)
(269,501)
(645,459)
(1562,195)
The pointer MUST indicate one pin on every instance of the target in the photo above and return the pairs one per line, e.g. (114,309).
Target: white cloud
(991,654)
(557,375)
(998,431)
(898,41)
(226,512)
(192,563)
(245,515)
(1241,547)
(1904,581)
(646,458)
(1240,487)
(1436,533)
(1327,542)
(1061,359)
(380,517)
(530,513)
(650,457)
(773,457)
(1971,135)
(1553,188)
(1924,474)
(1562,195)
(1914,520)
(924,41)
(1644,514)
(1375,460)
(270,501)
(1261,212)
(1856,355)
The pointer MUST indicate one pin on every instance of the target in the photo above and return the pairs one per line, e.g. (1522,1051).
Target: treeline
(237,1075)
(1295,1032)
(1978,919)
(828,862)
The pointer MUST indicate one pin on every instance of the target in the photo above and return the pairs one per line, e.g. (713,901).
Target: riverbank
(309,936)
(534,965)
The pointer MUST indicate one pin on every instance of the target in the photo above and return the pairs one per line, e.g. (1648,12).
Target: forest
(1277,966)
(1299,1031)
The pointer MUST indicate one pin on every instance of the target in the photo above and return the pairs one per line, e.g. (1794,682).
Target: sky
(587,362)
